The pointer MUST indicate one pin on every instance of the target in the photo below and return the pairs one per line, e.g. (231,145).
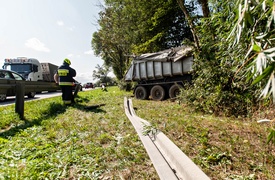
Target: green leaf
(248,18)
(265,74)
(256,48)
(271,136)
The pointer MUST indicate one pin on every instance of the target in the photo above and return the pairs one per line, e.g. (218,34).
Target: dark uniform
(66,81)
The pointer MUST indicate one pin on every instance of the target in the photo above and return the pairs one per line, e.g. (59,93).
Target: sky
(50,31)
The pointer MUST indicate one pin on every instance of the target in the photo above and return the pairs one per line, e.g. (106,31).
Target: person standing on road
(65,77)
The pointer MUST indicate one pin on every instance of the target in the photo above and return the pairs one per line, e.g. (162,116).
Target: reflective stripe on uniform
(67,102)
(63,72)
(66,83)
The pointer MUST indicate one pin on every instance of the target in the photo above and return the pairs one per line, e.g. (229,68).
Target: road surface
(11,100)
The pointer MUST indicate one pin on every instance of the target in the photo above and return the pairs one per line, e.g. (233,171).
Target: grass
(94,140)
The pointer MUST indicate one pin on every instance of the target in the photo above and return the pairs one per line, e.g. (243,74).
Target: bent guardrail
(169,161)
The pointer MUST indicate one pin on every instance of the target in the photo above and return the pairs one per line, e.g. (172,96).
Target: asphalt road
(11,100)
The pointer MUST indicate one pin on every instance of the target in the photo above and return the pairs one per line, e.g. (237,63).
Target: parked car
(12,78)
(88,85)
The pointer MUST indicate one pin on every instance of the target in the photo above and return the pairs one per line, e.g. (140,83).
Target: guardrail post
(19,100)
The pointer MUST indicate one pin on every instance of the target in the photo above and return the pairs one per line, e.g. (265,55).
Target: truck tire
(141,93)
(158,93)
(174,90)
(31,94)
(3,97)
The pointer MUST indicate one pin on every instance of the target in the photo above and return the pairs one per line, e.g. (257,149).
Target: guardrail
(30,86)
(169,161)
(20,88)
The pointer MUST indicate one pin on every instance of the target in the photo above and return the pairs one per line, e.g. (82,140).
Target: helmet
(67,61)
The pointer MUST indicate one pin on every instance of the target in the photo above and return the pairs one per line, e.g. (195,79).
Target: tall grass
(94,140)
(90,140)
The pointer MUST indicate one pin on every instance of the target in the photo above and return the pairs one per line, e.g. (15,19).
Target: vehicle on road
(12,77)
(161,74)
(32,70)
(88,85)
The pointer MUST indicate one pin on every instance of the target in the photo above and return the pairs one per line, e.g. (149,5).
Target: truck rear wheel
(3,97)
(174,90)
(31,94)
(141,93)
(158,93)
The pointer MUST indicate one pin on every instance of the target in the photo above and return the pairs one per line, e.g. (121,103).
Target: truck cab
(29,68)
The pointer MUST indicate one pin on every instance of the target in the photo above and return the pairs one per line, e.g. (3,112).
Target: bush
(126,86)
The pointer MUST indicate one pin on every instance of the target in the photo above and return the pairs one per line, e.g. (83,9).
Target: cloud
(36,44)
(60,23)
(85,77)
(70,55)
(71,28)
(89,52)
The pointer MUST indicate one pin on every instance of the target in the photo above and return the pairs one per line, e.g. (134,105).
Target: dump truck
(161,74)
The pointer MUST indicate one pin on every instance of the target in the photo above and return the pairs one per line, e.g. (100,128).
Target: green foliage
(101,74)
(219,158)
(91,140)
(217,88)
(127,86)
(9,117)
(254,25)
(271,136)
(94,140)
(133,27)
(223,147)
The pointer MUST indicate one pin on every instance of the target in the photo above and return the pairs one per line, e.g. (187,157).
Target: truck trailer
(32,70)
(48,71)
(161,74)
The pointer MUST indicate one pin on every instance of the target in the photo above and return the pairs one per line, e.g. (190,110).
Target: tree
(205,8)
(133,27)
(101,73)
(163,26)
(216,88)
(190,21)
(107,42)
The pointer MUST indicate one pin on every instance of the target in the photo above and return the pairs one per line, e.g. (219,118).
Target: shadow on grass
(92,108)
(53,110)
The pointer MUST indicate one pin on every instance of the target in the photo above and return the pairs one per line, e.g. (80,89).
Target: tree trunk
(205,8)
(190,22)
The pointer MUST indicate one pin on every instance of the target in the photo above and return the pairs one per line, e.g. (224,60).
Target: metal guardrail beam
(30,86)
(21,88)
(169,161)
(162,167)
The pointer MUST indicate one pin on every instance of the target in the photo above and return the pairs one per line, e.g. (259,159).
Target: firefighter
(64,76)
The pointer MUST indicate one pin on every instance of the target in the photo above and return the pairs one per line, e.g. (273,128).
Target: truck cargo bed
(168,63)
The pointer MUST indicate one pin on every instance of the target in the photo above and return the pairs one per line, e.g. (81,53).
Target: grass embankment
(87,141)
